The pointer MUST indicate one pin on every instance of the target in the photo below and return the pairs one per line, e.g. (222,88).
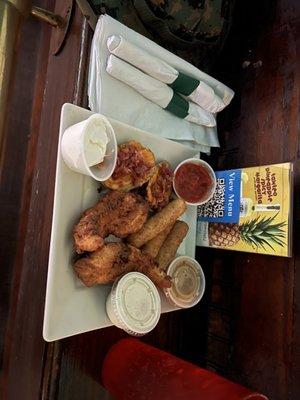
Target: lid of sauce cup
(134,304)
(188,282)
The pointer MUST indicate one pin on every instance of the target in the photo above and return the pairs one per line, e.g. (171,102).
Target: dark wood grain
(13,158)
(294,378)
(25,348)
(263,127)
(20,127)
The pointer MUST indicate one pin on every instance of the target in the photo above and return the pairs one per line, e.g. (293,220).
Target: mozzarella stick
(168,250)
(156,224)
(152,247)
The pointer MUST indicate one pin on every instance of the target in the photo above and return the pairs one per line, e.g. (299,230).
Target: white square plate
(70,307)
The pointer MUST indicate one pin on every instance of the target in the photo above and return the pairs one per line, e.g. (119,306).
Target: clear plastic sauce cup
(134,304)
(188,282)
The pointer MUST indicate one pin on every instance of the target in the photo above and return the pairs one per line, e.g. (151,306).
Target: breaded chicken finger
(153,246)
(105,265)
(168,250)
(158,223)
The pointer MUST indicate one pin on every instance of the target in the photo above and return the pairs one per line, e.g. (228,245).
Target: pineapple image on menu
(264,213)
(258,232)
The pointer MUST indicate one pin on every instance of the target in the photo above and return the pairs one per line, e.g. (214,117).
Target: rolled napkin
(158,92)
(195,90)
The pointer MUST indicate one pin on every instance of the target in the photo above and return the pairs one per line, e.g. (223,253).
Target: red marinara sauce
(193,182)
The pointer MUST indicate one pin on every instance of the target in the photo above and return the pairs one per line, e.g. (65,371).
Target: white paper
(203,95)
(117,100)
(154,90)
(136,56)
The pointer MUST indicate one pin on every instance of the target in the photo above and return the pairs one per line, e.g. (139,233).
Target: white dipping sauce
(95,142)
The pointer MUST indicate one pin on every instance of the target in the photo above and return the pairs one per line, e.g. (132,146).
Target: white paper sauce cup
(74,152)
(134,304)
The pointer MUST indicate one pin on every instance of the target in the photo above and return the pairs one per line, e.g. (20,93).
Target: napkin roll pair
(194,89)
(113,98)
(158,92)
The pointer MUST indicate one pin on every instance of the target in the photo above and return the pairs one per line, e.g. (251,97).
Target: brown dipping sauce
(193,182)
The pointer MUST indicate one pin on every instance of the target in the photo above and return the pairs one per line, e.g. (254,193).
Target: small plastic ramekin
(134,304)
(209,170)
(73,149)
(192,275)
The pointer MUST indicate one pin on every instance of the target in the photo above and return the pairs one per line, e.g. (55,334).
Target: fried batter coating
(159,187)
(168,250)
(153,246)
(114,259)
(117,213)
(158,223)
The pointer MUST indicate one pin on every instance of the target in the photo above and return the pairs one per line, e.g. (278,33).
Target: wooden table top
(248,326)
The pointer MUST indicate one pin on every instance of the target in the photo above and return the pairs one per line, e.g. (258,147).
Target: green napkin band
(178,106)
(184,84)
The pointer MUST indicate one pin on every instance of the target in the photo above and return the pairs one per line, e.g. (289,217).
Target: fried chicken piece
(117,213)
(114,259)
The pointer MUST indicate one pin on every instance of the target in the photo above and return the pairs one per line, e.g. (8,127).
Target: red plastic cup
(133,370)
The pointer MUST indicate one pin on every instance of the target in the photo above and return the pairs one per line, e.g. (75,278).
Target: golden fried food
(159,187)
(153,246)
(117,213)
(158,223)
(114,259)
(168,250)
(135,166)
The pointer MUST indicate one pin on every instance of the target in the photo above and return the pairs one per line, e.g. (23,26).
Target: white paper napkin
(203,94)
(117,100)
(156,91)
